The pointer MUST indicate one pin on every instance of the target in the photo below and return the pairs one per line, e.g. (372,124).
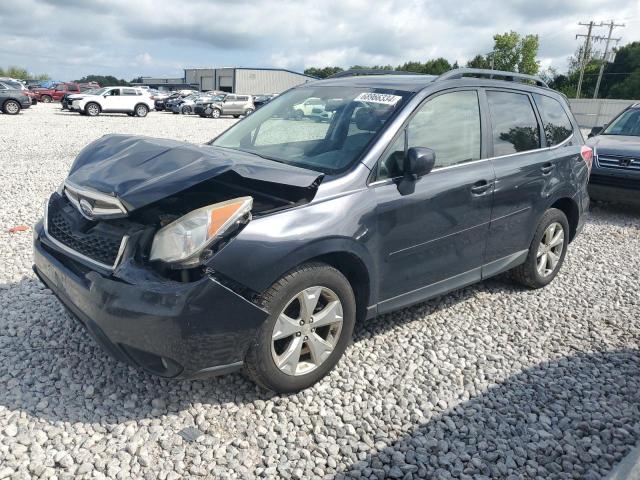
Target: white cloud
(71,38)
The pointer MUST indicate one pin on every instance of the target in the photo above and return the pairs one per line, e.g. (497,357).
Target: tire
(11,107)
(249,111)
(46,98)
(538,270)
(215,113)
(186,110)
(332,292)
(236,116)
(141,110)
(92,109)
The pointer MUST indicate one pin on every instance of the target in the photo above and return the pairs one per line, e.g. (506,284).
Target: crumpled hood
(142,170)
(616,144)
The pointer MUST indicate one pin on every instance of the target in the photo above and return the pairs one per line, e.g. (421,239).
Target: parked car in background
(129,100)
(229,104)
(18,85)
(260,100)
(616,171)
(312,108)
(12,99)
(264,247)
(67,100)
(185,105)
(85,88)
(55,94)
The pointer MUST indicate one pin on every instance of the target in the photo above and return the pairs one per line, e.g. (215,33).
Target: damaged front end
(127,253)
(164,204)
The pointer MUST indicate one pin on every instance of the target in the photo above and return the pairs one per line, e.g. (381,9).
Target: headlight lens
(183,240)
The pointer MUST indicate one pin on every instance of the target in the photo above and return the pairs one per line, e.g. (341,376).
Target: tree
(479,61)
(528,52)
(22,74)
(622,78)
(513,53)
(322,72)
(104,80)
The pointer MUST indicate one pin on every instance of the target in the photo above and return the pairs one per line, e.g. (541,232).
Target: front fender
(268,247)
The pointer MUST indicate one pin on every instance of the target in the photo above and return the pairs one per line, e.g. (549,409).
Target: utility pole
(611,26)
(585,51)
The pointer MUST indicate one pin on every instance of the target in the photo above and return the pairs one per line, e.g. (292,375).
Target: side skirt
(444,286)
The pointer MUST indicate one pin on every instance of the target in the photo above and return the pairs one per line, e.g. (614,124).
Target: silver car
(230,104)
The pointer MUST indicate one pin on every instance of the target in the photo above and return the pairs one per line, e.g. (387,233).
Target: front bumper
(168,328)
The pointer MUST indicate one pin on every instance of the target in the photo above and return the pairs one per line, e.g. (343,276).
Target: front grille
(67,226)
(619,162)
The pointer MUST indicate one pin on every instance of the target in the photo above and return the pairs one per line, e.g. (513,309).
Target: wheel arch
(569,207)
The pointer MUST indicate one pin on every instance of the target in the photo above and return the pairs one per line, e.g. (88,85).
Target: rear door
(130,97)
(433,239)
(526,173)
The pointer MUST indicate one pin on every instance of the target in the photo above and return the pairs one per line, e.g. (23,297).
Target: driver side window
(449,124)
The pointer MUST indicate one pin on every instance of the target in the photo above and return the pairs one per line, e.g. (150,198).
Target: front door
(111,101)
(433,239)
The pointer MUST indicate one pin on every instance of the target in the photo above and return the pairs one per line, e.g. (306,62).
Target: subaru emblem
(86,209)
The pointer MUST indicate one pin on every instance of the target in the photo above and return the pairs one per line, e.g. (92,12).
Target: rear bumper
(170,329)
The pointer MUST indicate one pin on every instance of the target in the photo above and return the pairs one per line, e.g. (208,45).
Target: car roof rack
(354,72)
(482,72)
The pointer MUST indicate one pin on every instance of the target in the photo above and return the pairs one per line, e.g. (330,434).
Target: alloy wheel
(12,107)
(307,331)
(550,249)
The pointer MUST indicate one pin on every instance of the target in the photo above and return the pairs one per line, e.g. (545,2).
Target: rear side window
(515,127)
(129,91)
(555,121)
(243,99)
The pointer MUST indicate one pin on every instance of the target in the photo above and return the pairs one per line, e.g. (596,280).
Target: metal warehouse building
(250,81)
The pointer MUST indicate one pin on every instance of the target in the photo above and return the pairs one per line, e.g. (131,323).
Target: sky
(129,38)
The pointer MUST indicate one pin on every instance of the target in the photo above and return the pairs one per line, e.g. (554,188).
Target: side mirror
(595,131)
(418,162)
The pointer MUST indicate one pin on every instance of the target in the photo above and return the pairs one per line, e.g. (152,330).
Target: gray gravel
(491,381)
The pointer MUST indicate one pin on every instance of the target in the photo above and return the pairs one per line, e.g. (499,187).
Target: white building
(250,81)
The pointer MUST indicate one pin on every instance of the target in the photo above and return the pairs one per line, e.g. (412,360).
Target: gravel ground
(490,381)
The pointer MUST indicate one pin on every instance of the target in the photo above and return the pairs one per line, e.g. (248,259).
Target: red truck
(48,95)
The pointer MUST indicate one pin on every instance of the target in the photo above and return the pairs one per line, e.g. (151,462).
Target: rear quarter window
(556,123)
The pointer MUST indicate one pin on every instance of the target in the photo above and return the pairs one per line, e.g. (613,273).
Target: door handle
(480,187)
(547,168)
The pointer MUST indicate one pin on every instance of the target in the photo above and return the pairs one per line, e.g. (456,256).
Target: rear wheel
(11,107)
(547,251)
(92,109)
(312,315)
(141,110)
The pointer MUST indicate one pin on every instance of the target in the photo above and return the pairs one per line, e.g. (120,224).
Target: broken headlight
(183,241)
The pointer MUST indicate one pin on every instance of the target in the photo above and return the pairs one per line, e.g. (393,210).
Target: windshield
(322,128)
(99,91)
(626,124)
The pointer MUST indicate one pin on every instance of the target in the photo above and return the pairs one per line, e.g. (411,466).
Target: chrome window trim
(78,255)
(464,164)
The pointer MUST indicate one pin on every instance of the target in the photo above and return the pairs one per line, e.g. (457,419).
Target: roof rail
(354,72)
(481,72)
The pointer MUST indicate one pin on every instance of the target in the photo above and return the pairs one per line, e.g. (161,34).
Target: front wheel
(141,110)
(47,99)
(92,109)
(547,251)
(11,107)
(312,315)
(249,111)
(216,112)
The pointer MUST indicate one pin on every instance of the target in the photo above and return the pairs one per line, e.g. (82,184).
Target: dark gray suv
(263,248)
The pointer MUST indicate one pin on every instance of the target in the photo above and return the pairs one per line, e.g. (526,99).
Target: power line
(611,26)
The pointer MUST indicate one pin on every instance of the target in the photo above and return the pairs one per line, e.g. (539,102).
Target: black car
(262,100)
(616,170)
(263,248)
(12,99)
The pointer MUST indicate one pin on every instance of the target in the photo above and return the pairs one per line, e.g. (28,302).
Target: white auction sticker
(383,98)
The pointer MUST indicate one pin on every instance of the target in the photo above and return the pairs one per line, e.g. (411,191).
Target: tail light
(587,155)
